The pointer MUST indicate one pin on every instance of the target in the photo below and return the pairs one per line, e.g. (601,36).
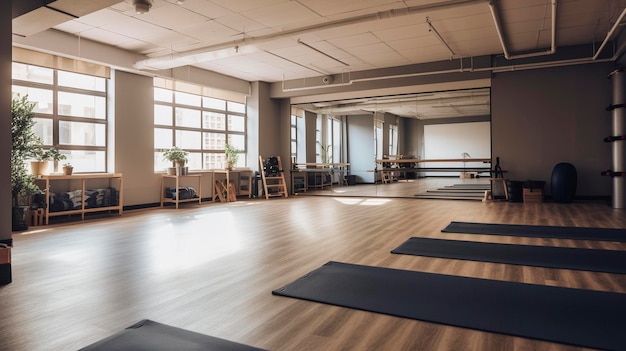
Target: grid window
(201,125)
(70,113)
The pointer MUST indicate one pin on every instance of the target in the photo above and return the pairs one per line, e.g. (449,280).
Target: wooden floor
(404,188)
(211,268)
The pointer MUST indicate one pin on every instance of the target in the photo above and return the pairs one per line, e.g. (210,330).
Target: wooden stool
(36,217)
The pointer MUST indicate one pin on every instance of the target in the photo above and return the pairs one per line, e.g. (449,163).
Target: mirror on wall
(392,146)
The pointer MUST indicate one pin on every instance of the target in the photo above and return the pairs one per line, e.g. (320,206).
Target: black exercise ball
(563,182)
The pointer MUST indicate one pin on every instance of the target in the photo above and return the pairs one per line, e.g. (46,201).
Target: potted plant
(68,169)
(41,156)
(232,156)
(178,157)
(23,140)
(55,155)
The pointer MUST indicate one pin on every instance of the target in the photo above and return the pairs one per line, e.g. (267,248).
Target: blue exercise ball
(563,182)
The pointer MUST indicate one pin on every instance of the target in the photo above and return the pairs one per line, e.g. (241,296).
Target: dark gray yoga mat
(148,335)
(527,255)
(537,231)
(571,316)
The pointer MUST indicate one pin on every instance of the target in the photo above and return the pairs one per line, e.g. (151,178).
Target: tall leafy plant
(24,140)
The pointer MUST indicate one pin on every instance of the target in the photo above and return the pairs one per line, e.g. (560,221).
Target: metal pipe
(609,34)
(432,29)
(499,30)
(619,146)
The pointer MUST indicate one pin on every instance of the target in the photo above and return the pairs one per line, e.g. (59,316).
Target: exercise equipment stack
(618,138)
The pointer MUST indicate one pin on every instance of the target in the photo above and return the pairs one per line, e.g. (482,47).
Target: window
(186,117)
(393,139)
(328,139)
(298,136)
(378,138)
(70,112)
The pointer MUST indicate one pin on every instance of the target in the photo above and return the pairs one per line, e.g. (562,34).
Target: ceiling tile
(246,5)
(210,32)
(355,40)
(172,17)
(283,14)
(240,23)
(206,8)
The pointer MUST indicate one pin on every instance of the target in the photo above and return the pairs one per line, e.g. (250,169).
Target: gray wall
(546,116)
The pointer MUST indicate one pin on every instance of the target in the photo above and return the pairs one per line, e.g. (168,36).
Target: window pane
(236,107)
(186,139)
(163,138)
(214,160)
(86,161)
(80,133)
(336,152)
(236,123)
(43,128)
(195,160)
(186,117)
(41,97)
(159,163)
(81,81)
(238,141)
(212,103)
(82,105)
(187,99)
(32,73)
(213,120)
(163,115)
(214,141)
(163,95)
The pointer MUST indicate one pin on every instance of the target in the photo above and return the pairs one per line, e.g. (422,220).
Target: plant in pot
(178,157)
(23,140)
(232,156)
(41,156)
(68,169)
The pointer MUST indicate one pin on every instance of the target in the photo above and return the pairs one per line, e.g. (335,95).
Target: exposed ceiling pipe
(501,69)
(230,48)
(499,30)
(438,102)
(609,34)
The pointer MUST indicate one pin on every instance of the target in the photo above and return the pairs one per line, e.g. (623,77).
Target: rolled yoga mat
(148,335)
(579,317)
(537,231)
(609,261)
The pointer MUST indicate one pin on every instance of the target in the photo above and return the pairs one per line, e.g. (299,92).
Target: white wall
(450,141)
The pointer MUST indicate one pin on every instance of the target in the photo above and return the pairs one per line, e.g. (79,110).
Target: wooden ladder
(274,186)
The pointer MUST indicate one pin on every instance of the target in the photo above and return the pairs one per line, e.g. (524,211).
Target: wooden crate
(533,195)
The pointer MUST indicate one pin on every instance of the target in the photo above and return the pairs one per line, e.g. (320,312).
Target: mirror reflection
(421,145)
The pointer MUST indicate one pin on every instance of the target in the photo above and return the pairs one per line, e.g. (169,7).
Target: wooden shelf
(48,181)
(177,179)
